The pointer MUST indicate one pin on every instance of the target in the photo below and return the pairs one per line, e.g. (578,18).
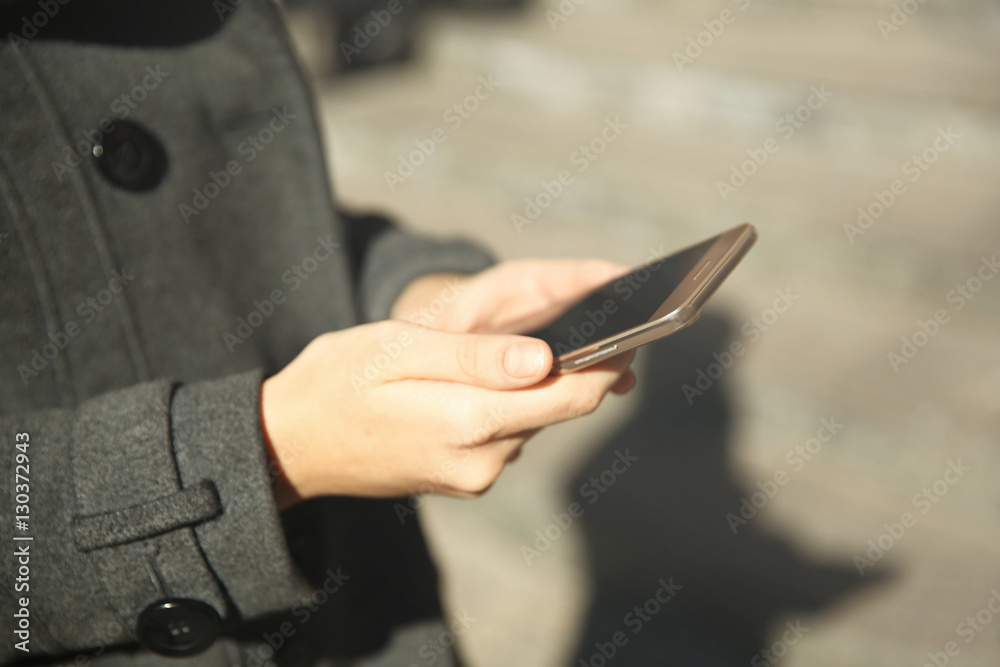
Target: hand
(385,409)
(512,297)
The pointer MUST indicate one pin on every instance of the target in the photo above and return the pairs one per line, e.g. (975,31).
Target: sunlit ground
(793,117)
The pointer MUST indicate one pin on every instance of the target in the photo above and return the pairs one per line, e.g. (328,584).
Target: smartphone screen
(623,303)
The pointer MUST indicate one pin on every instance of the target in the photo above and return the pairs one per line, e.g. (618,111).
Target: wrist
(421,295)
(285,493)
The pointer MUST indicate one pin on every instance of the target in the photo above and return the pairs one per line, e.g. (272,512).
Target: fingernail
(524,360)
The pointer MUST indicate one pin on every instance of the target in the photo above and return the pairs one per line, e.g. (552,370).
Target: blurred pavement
(879,97)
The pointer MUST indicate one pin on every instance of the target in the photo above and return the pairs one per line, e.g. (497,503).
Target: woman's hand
(511,297)
(390,408)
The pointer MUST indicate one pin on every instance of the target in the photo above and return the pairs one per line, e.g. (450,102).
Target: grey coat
(167,239)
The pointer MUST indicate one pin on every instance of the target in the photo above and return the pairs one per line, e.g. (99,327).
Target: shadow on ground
(665,518)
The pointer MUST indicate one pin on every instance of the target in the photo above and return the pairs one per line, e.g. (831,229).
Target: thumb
(488,361)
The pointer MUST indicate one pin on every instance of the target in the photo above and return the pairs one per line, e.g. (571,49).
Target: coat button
(131,157)
(177,627)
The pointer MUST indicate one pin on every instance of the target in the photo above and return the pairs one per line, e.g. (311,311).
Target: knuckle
(481,427)
(467,357)
(488,430)
(473,433)
(323,342)
(477,479)
(326,345)
(587,401)
(389,328)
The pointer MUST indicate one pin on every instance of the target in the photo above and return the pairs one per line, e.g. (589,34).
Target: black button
(177,627)
(131,157)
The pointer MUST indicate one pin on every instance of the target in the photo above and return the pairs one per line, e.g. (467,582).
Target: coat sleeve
(154,491)
(388,259)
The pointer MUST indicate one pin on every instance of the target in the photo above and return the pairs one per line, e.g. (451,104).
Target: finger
(555,286)
(555,399)
(479,468)
(509,449)
(486,361)
(569,280)
(625,383)
(627,379)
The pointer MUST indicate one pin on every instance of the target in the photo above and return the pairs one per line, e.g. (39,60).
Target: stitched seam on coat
(39,276)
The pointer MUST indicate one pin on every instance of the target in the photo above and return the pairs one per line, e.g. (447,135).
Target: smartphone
(654,301)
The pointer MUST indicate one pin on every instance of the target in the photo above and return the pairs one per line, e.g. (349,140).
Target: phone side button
(595,355)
